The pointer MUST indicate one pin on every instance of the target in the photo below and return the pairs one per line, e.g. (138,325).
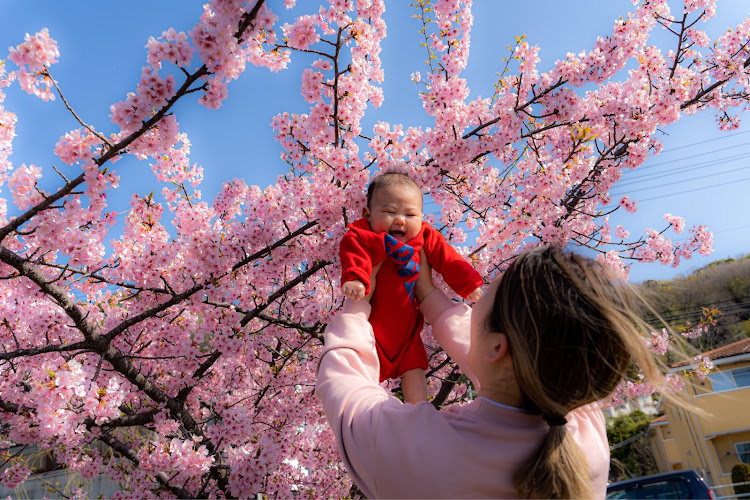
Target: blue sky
(702,175)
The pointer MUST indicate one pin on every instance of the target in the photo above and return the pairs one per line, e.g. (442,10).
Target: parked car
(677,484)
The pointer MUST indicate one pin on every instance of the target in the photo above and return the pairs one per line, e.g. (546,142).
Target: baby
(392,232)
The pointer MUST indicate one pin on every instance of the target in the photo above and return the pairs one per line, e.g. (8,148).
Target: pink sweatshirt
(396,450)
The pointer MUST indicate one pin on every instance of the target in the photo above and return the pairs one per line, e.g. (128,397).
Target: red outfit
(395,317)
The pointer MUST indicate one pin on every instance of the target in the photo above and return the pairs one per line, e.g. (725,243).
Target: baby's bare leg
(414,385)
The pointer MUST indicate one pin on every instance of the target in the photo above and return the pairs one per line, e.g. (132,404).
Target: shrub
(741,474)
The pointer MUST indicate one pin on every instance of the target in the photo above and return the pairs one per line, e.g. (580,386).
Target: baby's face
(396,210)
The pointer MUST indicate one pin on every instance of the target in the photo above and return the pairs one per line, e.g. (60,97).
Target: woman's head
(570,328)
(571,336)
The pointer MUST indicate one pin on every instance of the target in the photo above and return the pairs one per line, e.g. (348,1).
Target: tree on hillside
(200,329)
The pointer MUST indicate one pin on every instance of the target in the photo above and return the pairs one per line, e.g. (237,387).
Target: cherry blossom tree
(179,357)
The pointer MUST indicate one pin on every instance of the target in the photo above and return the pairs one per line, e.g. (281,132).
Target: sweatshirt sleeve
(451,327)
(457,273)
(589,429)
(356,260)
(353,401)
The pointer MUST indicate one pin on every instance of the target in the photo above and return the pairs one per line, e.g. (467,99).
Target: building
(645,403)
(715,439)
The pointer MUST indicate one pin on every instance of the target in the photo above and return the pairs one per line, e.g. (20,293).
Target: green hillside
(723,285)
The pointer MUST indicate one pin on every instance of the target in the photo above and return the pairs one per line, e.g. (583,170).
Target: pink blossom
(628,204)
(614,263)
(703,367)
(708,6)
(76,146)
(14,476)
(301,34)
(172,47)
(659,343)
(215,94)
(677,223)
(34,56)
(621,232)
(23,184)
(37,52)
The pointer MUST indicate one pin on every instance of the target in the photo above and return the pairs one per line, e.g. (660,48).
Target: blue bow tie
(402,254)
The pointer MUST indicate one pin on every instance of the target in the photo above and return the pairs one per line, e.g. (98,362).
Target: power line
(682,169)
(745,306)
(693,190)
(706,153)
(731,229)
(657,186)
(706,141)
(688,168)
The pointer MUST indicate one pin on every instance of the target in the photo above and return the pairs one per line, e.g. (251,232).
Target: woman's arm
(456,271)
(451,321)
(347,385)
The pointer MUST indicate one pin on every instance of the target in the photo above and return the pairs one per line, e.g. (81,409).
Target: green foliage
(634,458)
(741,474)
(742,329)
(626,426)
(739,287)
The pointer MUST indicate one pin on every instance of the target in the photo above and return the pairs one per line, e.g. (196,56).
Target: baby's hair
(572,334)
(390,178)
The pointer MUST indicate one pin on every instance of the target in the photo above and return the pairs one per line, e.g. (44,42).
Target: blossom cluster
(34,57)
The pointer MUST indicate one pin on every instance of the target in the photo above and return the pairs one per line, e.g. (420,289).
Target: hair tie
(552,421)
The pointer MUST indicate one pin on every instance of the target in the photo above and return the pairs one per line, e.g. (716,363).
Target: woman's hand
(424,285)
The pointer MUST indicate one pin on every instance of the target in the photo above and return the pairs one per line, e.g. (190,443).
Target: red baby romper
(395,317)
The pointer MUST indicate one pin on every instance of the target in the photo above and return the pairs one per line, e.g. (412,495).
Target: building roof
(658,420)
(734,349)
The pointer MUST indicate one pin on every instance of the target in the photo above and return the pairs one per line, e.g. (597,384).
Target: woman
(552,336)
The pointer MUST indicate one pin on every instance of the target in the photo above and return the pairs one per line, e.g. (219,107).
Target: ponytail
(557,470)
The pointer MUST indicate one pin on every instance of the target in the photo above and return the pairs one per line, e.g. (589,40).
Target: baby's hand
(354,290)
(475,295)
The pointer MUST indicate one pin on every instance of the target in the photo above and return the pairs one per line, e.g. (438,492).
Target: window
(669,488)
(665,433)
(743,452)
(665,489)
(724,381)
(742,377)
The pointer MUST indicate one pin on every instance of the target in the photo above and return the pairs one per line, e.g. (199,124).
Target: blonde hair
(572,334)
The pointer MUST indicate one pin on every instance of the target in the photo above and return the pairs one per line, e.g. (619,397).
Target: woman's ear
(498,346)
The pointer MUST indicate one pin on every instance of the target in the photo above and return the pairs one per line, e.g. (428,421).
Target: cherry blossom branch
(119,362)
(267,251)
(117,148)
(704,92)
(72,111)
(137,419)
(336,88)
(446,387)
(99,278)
(74,346)
(317,266)
(129,453)
(680,39)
